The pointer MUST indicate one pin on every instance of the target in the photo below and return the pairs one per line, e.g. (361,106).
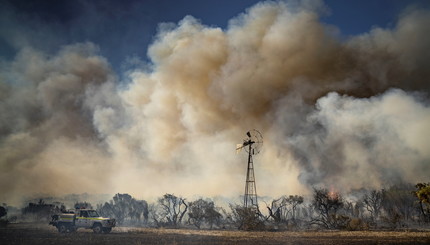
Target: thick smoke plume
(347,114)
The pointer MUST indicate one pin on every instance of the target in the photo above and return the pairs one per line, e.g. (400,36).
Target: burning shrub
(327,204)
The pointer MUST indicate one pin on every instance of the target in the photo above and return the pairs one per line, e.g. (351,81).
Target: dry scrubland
(44,234)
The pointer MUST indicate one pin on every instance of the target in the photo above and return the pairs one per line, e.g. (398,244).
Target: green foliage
(423,192)
(423,195)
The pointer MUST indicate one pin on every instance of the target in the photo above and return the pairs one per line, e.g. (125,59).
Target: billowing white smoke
(344,114)
(353,143)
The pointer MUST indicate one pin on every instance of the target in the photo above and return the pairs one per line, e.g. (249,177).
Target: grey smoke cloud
(47,135)
(348,114)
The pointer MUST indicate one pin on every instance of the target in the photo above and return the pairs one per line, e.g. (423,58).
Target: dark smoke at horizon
(347,114)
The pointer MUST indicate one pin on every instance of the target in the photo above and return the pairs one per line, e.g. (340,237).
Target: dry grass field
(44,234)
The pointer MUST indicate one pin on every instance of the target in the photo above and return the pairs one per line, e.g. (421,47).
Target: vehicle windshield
(93,213)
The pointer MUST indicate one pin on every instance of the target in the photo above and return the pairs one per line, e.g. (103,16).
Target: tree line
(399,206)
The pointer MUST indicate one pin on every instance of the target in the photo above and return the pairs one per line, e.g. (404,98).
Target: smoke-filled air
(339,112)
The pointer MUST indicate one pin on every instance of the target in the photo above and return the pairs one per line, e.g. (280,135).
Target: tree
(154,213)
(373,203)
(173,209)
(281,208)
(327,204)
(246,218)
(41,211)
(399,205)
(3,211)
(203,211)
(294,201)
(124,208)
(196,214)
(276,209)
(423,195)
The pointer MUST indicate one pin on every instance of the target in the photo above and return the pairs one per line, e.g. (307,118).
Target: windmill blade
(239,148)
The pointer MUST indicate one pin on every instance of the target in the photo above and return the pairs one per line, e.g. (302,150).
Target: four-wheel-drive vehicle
(82,218)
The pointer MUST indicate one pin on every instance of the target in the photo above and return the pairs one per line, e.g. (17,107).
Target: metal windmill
(252,145)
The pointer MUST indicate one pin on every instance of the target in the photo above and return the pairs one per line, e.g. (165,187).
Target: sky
(124,29)
(151,97)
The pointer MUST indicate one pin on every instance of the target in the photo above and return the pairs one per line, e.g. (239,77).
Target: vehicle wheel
(107,230)
(62,228)
(97,228)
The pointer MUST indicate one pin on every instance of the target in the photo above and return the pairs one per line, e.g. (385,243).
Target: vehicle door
(82,219)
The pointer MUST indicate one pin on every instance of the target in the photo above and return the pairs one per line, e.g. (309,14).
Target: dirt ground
(44,234)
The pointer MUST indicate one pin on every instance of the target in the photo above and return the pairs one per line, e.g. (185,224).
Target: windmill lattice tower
(252,145)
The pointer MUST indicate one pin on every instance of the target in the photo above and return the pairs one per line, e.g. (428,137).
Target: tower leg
(250,198)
